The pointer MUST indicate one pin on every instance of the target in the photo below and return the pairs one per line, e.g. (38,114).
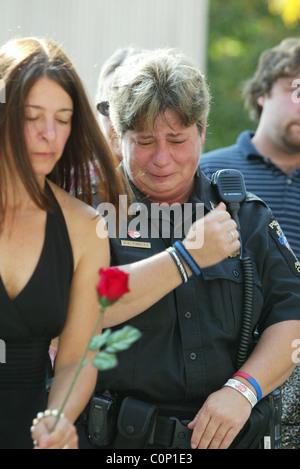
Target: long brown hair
(23,61)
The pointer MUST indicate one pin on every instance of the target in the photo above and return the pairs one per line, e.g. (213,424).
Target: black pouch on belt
(135,422)
(252,434)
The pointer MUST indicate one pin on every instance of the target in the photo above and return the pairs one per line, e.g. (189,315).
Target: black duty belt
(140,426)
(145,425)
(170,432)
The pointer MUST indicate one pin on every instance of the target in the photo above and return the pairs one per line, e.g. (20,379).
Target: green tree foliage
(239,31)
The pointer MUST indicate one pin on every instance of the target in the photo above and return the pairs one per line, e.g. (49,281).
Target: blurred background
(239,31)
(225,38)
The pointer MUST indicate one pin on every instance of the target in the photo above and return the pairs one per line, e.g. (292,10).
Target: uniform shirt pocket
(225,292)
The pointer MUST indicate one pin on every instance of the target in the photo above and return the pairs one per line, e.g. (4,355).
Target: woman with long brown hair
(50,254)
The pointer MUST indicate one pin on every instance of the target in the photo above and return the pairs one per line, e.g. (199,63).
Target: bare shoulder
(74,210)
(83,222)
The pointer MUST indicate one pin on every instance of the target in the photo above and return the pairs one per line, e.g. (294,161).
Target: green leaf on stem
(105,361)
(99,340)
(122,339)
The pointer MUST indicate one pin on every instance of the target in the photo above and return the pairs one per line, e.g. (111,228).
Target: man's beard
(290,139)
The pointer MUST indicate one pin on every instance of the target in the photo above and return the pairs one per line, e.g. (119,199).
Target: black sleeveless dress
(27,325)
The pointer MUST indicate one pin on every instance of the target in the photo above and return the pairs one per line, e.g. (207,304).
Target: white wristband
(242,389)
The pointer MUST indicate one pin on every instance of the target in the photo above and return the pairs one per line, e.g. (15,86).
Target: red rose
(112,285)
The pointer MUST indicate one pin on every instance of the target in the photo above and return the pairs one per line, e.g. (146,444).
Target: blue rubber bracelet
(251,381)
(256,387)
(187,257)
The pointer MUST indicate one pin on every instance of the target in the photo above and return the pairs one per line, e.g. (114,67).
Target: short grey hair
(148,83)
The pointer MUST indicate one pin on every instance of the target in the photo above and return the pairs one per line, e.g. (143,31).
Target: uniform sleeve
(280,279)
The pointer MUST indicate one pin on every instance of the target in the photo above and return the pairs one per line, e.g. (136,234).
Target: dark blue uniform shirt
(191,336)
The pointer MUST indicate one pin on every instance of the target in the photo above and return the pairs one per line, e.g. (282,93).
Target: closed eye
(144,143)
(60,121)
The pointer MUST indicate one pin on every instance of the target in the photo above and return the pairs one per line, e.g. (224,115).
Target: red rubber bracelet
(251,380)
(242,374)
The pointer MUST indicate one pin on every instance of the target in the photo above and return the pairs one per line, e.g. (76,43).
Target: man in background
(103,91)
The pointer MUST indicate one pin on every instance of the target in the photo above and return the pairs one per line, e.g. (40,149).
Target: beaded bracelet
(252,381)
(187,257)
(242,389)
(178,263)
(41,415)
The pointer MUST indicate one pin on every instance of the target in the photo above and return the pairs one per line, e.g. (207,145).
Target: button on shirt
(279,190)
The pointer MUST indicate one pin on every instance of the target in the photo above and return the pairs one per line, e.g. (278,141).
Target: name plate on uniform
(135,244)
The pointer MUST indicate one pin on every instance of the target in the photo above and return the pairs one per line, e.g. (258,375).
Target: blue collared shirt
(262,177)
